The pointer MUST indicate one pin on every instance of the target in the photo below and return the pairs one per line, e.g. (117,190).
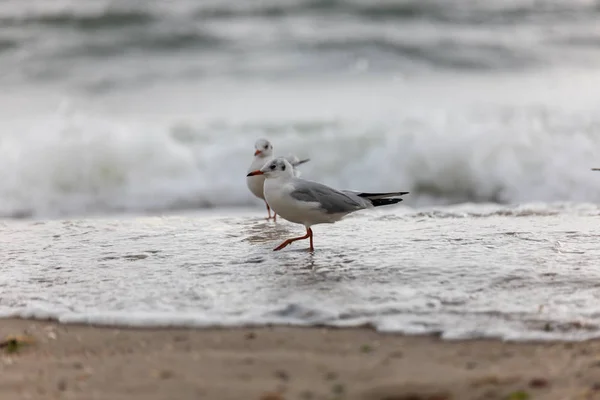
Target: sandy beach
(84,362)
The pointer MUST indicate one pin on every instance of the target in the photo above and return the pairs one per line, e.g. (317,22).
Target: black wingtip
(381,195)
(302,162)
(595,169)
(385,202)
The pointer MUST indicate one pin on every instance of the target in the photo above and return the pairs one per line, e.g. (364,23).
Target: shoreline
(277,362)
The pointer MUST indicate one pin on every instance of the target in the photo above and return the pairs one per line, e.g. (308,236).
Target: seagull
(309,203)
(263,154)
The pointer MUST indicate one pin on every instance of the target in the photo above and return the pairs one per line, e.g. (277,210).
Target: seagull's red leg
(268,210)
(289,241)
(274,217)
(311,237)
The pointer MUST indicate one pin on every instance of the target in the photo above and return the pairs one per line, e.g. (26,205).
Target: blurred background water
(147,106)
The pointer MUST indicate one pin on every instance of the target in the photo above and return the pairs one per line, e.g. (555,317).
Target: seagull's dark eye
(283,167)
(266,146)
(272,166)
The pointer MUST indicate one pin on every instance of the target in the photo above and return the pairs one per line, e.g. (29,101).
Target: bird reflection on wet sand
(263,232)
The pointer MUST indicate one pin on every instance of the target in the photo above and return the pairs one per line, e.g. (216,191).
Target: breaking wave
(87,165)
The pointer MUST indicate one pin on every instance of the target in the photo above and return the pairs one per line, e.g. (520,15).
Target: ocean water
(126,128)
(516,273)
(147,107)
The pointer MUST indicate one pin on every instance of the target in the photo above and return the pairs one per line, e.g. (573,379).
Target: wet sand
(84,362)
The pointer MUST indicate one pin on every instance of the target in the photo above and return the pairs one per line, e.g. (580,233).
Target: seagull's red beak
(257,152)
(257,172)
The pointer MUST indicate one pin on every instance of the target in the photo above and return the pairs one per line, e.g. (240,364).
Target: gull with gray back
(263,153)
(309,203)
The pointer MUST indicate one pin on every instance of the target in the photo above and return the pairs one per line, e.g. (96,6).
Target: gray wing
(330,200)
(295,161)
